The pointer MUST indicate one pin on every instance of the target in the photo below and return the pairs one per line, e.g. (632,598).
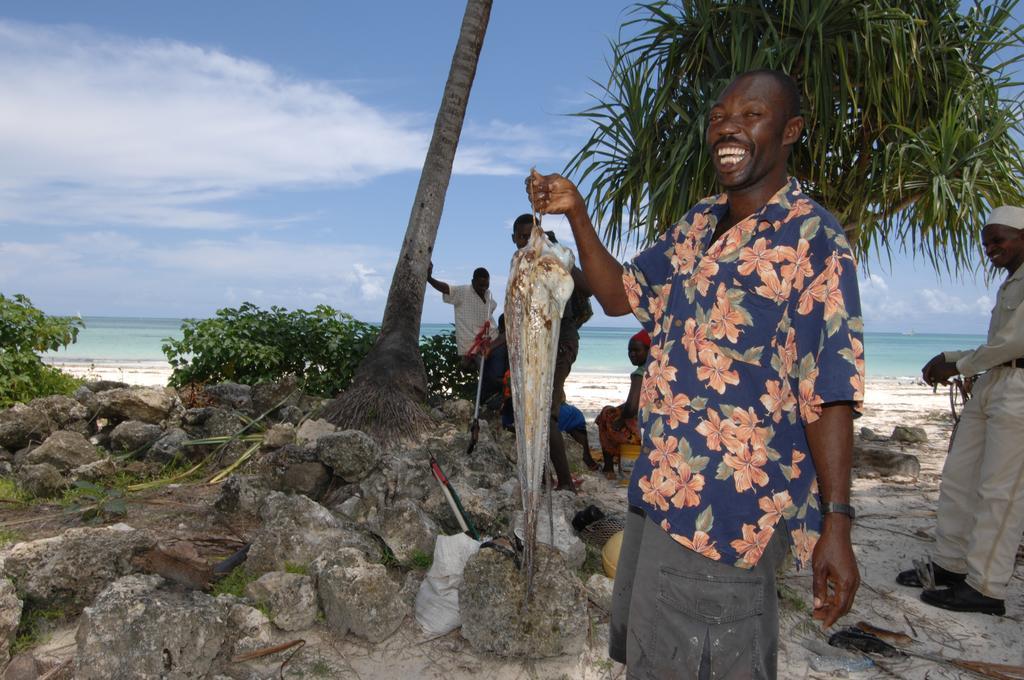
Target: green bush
(446,377)
(24,332)
(250,345)
(322,348)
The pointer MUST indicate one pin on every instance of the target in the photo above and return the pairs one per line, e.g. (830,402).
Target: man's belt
(1014,363)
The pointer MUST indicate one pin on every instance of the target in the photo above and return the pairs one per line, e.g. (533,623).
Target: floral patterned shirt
(750,336)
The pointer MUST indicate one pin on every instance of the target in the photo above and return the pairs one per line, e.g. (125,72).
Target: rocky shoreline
(125,581)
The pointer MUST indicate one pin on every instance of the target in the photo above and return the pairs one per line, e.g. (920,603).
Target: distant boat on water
(910,332)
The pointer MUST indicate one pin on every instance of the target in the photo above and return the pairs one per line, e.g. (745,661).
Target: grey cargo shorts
(676,614)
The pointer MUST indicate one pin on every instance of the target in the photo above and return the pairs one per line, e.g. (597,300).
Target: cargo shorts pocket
(725,611)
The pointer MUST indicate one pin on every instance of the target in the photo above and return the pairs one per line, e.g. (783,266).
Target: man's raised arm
(439,286)
(555,195)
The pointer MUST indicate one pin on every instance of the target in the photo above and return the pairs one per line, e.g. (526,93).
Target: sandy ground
(895,523)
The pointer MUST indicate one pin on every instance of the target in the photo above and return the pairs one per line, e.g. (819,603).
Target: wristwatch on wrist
(841,508)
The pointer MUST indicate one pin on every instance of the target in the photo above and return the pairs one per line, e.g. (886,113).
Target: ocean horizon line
(590,326)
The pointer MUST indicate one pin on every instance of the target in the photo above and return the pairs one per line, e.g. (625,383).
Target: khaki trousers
(981,497)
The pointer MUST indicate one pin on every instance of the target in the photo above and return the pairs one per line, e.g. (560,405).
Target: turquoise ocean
(127,341)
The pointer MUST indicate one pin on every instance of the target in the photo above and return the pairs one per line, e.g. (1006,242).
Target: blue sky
(169,159)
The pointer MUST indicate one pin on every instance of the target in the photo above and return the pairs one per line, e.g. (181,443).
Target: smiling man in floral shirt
(755,371)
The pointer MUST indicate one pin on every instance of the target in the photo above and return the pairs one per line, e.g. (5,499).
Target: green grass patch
(34,627)
(320,669)
(262,607)
(593,564)
(8,536)
(790,599)
(420,560)
(296,568)
(10,491)
(234,583)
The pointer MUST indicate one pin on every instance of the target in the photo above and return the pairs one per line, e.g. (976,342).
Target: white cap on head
(1008,215)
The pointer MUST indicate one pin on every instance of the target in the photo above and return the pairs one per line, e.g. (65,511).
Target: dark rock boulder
(69,570)
(87,398)
(64,412)
(64,450)
(41,481)
(493,617)
(133,436)
(97,386)
(211,421)
(230,395)
(269,397)
(290,598)
(137,628)
(242,493)
(358,597)
(169,446)
(909,435)
(309,479)
(298,529)
(351,454)
(869,435)
(877,461)
(148,404)
(21,425)
(10,615)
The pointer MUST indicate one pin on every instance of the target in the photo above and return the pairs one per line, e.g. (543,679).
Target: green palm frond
(912,133)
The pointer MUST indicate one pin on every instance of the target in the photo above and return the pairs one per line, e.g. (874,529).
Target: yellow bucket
(628,453)
(610,554)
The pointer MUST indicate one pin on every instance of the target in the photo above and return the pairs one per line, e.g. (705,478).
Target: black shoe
(943,577)
(963,598)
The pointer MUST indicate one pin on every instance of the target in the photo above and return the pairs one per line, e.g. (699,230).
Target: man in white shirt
(474,307)
(981,498)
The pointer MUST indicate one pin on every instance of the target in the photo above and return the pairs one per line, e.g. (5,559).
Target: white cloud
(873,282)
(941,302)
(103,129)
(878,305)
(64,276)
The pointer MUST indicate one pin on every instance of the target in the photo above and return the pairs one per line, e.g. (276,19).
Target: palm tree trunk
(389,387)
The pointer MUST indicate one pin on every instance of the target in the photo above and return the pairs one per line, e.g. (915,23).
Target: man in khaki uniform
(981,499)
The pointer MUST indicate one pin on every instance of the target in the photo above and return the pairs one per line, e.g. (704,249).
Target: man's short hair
(525,218)
(480,272)
(789,87)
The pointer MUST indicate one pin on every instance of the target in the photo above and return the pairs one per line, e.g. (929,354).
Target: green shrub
(446,377)
(322,348)
(24,332)
(250,345)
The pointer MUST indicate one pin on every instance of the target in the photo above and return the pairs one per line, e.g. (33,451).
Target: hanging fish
(540,283)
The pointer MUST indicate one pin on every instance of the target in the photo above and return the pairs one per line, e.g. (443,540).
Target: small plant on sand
(790,599)
(25,332)
(234,583)
(8,536)
(592,564)
(320,668)
(97,503)
(11,492)
(296,568)
(34,627)
(420,560)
